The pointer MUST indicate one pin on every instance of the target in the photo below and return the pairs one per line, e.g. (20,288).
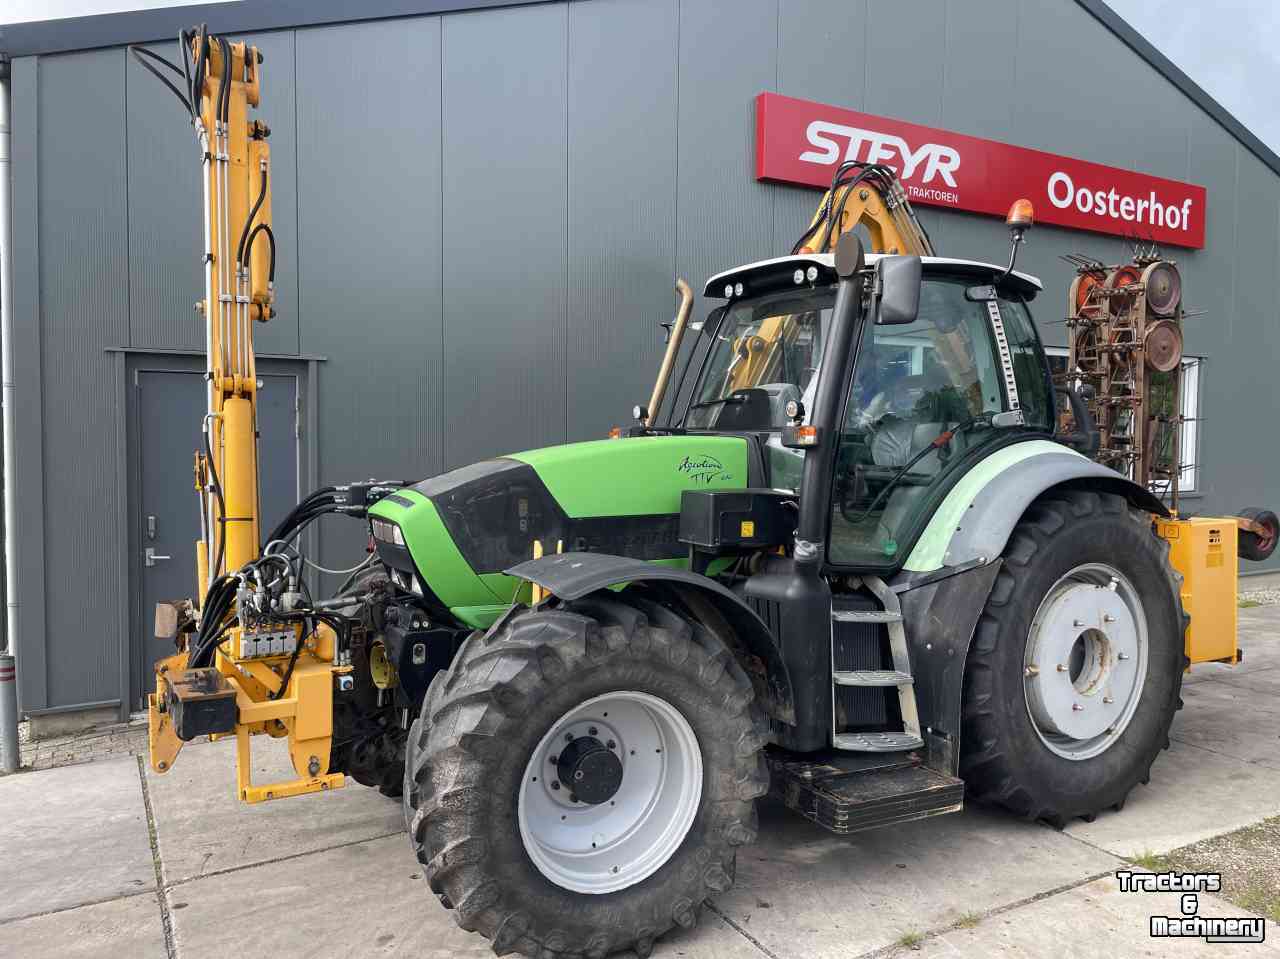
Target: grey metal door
(168,407)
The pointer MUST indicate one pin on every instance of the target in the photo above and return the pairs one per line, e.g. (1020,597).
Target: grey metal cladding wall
(821,54)
(369,248)
(505,232)
(1241,406)
(164,215)
(84,291)
(165,245)
(622,205)
(27,333)
(724,217)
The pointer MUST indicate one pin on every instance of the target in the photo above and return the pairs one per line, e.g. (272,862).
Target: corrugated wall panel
(724,217)
(84,291)
(165,245)
(979,66)
(821,56)
(370,293)
(29,478)
(1239,408)
(1209,275)
(505,231)
(622,206)
(905,60)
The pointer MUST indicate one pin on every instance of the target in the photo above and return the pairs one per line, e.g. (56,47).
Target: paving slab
(366,899)
(803,892)
(122,927)
(1194,793)
(72,836)
(1095,919)
(202,827)
(1233,718)
(1252,681)
(1259,636)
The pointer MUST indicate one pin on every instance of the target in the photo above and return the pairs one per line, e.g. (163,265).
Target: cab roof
(781,266)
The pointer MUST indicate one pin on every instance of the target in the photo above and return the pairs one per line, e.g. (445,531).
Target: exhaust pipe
(673,351)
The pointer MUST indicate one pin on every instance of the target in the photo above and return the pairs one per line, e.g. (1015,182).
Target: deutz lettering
(938,159)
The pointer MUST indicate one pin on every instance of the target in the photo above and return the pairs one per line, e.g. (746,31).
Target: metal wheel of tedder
(1076,666)
(580,779)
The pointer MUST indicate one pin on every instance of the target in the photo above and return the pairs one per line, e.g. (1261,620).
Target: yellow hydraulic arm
(865,195)
(283,689)
(861,195)
(870,196)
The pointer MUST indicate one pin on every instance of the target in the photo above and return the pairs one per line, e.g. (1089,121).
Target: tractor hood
(458,531)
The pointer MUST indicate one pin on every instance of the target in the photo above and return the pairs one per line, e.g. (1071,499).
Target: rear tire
(1027,742)
(481,737)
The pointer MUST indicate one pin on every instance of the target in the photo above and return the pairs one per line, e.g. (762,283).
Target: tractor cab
(921,397)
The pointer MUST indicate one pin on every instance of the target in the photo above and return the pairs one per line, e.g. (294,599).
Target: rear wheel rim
(1085,663)
(641,767)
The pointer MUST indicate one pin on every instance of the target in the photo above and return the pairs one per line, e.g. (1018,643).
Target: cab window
(923,396)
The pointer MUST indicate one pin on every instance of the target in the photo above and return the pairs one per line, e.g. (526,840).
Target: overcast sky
(1229,47)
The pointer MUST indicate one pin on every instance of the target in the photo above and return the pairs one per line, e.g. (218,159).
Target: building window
(1189,481)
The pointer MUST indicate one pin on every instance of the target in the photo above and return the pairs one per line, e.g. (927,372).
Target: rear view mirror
(898,278)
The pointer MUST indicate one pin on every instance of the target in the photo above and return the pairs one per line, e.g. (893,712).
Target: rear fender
(571,576)
(975,526)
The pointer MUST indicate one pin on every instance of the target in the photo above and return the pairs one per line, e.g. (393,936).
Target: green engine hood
(462,528)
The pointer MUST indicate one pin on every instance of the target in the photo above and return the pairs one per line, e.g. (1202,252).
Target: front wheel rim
(1086,661)
(641,775)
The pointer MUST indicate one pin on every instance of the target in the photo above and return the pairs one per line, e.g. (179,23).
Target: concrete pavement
(104,859)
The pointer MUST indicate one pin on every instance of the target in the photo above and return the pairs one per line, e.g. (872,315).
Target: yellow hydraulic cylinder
(239,481)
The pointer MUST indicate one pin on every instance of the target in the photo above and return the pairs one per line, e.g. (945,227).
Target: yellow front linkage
(252,686)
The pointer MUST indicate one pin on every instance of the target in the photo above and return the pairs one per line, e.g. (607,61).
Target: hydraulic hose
(244,233)
(221,530)
(271,238)
(139,52)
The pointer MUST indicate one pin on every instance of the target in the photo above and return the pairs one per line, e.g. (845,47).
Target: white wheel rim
(603,847)
(1086,661)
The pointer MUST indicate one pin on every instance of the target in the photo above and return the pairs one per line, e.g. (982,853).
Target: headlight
(387,532)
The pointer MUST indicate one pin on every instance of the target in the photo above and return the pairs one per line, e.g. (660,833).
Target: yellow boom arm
(270,689)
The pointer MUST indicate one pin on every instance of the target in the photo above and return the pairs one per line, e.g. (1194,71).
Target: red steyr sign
(799,141)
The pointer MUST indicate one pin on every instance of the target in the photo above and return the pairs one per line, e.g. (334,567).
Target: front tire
(641,841)
(1076,665)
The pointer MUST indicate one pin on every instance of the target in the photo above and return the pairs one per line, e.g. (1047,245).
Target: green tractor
(855,563)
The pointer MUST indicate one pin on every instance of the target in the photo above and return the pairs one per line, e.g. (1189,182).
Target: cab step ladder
(899,676)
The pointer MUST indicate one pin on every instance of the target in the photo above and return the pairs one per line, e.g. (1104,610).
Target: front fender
(573,575)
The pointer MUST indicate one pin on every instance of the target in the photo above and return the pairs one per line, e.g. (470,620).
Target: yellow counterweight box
(1203,550)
